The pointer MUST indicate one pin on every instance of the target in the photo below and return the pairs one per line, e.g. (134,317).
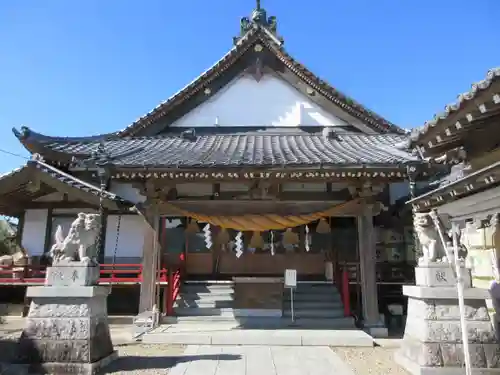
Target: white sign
(290,278)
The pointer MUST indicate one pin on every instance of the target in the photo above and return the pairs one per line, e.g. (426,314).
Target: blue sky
(83,67)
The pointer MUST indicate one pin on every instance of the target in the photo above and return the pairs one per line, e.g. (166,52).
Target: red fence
(174,285)
(110,274)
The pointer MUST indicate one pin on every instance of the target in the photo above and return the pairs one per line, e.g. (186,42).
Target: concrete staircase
(205,316)
(212,301)
(317,305)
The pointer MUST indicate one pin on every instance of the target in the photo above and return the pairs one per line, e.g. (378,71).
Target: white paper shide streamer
(239,244)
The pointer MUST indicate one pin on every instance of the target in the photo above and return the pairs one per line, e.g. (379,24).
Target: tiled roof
(74,182)
(12,172)
(458,184)
(476,89)
(15,191)
(457,172)
(260,34)
(272,147)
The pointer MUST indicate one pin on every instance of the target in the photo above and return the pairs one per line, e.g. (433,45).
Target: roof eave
(472,183)
(479,94)
(35,143)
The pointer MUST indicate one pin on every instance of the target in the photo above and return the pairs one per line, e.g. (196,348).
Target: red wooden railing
(173,289)
(109,273)
(22,274)
(342,281)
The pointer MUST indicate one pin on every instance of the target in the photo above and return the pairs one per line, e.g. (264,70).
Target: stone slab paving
(227,334)
(259,360)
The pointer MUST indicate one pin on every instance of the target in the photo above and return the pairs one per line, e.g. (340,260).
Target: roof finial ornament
(258,17)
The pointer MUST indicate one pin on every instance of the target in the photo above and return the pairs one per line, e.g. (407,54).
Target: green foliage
(7,240)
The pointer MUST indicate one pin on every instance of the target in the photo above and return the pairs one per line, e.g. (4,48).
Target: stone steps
(314,313)
(316,305)
(207,288)
(205,297)
(312,297)
(204,311)
(262,322)
(205,300)
(312,305)
(204,303)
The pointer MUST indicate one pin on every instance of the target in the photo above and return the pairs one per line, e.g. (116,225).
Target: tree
(8,243)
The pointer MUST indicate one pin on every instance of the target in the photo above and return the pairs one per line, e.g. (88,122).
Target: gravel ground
(138,359)
(134,358)
(374,361)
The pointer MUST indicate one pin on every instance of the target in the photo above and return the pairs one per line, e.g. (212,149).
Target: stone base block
(63,368)
(444,354)
(377,332)
(449,292)
(67,291)
(432,342)
(66,328)
(440,274)
(415,369)
(72,274)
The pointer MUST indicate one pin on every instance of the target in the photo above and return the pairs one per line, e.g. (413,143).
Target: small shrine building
(464,140)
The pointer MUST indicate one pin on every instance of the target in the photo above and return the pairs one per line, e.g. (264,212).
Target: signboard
(290,278)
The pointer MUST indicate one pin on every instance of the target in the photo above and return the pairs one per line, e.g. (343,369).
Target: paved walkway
(225,333)
(259,360)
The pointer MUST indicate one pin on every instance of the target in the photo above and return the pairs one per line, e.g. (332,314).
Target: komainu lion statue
(428,236)
(78,244)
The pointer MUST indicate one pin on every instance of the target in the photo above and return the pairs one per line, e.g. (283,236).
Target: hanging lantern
(256,242)
(192,227)
(323,227)
(290,238)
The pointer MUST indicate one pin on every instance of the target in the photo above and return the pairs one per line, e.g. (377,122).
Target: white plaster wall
(269,102)
(131,238)
(127,191)
(33,235)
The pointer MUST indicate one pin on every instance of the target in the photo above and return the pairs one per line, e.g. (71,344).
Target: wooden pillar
(102,236)
(149,258)
(368,259)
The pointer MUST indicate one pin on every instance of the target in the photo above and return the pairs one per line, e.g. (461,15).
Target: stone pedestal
(432,342)
(66,329)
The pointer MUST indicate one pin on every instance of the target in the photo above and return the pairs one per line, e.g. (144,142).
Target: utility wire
(14,154)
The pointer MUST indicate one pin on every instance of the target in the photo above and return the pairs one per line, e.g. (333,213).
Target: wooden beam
(75,192)
(20,229)
(237,208)
(351,176)
(283,196)
(48,231)
(150,246)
